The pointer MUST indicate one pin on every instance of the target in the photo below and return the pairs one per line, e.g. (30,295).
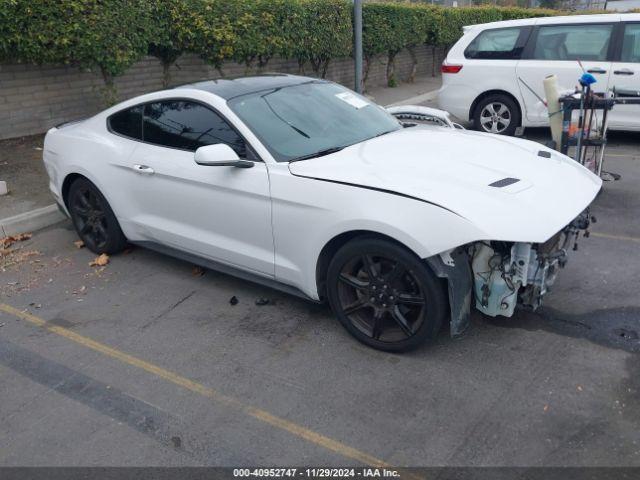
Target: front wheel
(384,295)
(497,114)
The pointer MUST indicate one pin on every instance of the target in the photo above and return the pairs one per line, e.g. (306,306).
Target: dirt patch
(22,168)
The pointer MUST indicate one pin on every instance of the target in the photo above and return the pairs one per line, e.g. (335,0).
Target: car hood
(454,169)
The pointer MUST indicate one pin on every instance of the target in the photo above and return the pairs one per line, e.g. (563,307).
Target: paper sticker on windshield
(352,99)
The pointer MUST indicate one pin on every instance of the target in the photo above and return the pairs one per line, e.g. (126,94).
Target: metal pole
(357,43)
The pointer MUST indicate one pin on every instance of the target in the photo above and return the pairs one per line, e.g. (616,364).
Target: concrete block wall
(35,98)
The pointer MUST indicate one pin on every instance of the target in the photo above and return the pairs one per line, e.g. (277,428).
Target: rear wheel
(497,114)
(384,295)
(93,218)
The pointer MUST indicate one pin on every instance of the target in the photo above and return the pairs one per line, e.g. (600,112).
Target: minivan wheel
(384,295)
(497,114)
(93,218)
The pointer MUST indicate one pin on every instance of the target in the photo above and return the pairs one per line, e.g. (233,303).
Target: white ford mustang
(305,186)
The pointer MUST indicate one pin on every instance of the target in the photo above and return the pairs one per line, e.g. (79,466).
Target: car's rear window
(498,44)
(127,123)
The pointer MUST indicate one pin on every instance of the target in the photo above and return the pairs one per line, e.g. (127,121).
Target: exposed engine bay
(506,274)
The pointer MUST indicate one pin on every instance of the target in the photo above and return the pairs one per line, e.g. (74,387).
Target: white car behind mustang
(305,186)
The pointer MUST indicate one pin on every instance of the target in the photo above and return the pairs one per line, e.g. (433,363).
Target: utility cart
(589,136)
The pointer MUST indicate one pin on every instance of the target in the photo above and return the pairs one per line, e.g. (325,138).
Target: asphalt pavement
(146,362)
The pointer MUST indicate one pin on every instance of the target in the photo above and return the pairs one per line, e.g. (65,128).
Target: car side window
(127,123)
(497,44)
(631,43)
(188,126)
(573,42)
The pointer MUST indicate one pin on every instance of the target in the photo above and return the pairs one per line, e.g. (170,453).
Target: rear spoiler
(70,122)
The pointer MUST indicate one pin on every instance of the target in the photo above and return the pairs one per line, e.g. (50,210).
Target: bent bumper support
(456,268)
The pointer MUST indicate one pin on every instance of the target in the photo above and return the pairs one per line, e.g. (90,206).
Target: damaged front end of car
(498,276)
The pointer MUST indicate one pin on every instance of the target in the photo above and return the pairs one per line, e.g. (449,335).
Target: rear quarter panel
(86,149)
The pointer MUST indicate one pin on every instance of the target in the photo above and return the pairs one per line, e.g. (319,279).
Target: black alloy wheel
(384,295)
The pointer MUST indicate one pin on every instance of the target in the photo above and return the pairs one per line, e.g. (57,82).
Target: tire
(93,219)
(497,114)
(401,308)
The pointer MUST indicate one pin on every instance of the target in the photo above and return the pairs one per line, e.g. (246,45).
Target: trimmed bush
(320,31)
(106,35)
(110,35)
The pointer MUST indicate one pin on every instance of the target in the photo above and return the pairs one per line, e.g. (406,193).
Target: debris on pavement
(233,300)
(11,257)
(79,244)
(262,301)
(6,242)
(100,261)
(197,271)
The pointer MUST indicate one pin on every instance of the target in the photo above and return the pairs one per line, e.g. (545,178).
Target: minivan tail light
(446,68)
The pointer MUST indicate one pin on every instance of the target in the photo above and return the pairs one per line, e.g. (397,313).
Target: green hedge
(110,35)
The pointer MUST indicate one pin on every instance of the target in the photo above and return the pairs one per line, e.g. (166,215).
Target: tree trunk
(248,65)
(315,66)
(433,58)
(365,74)
(301,66)
(391,69)
(166,74)
(414,65)
(263,60)
(109,91)
(325,67)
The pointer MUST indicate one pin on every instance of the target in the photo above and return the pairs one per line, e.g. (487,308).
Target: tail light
(447,68)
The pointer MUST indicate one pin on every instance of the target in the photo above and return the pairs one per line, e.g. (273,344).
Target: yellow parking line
(261,415)
(624,238)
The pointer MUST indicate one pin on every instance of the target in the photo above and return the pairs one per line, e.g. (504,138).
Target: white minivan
(490,75)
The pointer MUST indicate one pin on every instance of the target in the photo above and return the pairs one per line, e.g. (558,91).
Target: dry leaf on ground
(6,242)
(79,243)
(100,261)
(197,271)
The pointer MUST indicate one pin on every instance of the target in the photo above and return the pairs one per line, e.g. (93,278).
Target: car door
(626,75)
(222,213)
(563,50)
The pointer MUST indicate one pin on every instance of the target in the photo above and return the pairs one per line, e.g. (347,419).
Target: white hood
(454,169)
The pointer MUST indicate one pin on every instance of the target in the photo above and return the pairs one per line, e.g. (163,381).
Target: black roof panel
(232,87)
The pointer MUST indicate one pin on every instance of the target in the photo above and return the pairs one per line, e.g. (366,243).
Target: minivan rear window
(498,44)
(631,43)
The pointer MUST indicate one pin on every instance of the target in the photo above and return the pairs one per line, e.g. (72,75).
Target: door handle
(597,70)
(624,71)
(142,169)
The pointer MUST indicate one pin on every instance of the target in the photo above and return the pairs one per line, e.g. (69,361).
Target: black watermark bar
(400,473)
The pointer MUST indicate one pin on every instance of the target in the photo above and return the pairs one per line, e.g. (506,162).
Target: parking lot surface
(146,362)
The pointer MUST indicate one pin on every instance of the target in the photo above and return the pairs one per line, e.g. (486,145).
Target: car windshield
(311,119)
